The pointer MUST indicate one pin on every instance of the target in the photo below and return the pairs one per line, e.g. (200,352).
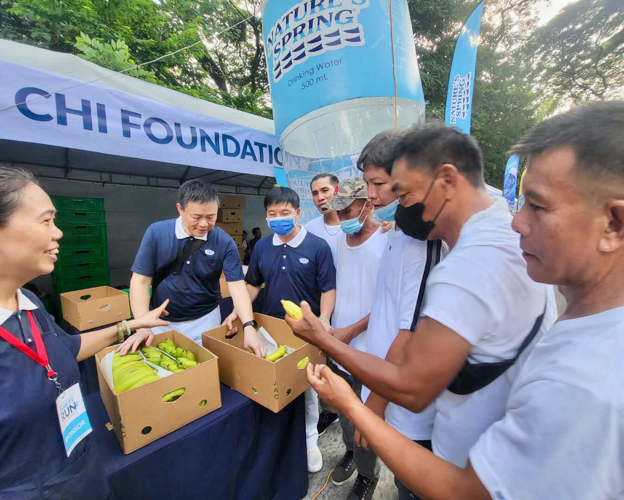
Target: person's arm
(434,355)
(348,333)
(416,467)
(328,301)
(93,342)
(140,294)
(244,310)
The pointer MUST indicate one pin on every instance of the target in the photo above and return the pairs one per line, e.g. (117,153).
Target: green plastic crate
(85,237)
(90,218)
(69,268)
(76,255)
(64,283)
(71,204)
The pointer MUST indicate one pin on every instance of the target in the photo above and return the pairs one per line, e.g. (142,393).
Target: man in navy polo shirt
(295,265)
(192,289)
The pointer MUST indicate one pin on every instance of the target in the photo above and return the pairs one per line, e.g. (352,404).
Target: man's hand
(343,334)
(327,326)
(229,322)
(133,342)
(386,226)
(309,328)
(334,390)
(378,406)
(253,342)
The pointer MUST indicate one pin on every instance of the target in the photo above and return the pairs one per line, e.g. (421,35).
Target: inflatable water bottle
(340,72)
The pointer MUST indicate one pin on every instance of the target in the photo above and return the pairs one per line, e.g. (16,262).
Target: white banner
(102,120)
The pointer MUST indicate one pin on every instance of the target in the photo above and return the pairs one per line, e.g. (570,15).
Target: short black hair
(253,231)
(435,144)
(325,175)
(197,190)
(12,184)
(279,195)
(595,133)
(380,150)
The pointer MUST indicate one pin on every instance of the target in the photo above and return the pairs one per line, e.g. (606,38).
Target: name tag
(72,415)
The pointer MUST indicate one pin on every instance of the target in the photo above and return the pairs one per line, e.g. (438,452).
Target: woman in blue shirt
(34,463)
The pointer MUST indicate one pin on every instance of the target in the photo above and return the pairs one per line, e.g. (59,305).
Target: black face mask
(410,219)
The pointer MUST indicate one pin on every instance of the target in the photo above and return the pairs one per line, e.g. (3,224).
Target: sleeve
(467,296)
(231,263)
(144,262)
(325,270)
(72,342)
(556,441)
(254,274)
(410,286)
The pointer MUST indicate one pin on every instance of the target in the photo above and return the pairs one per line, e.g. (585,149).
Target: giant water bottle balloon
(340,72)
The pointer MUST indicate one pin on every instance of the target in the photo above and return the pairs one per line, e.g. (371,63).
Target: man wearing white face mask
(293,265)
(358,257)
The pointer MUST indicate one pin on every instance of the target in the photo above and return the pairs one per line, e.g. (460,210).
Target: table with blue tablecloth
(241,451)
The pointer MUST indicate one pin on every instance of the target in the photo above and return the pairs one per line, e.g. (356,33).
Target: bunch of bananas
(130,372)
(175,360)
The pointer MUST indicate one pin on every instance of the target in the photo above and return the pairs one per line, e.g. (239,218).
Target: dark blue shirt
(195,291)
(299,270)
(34,463)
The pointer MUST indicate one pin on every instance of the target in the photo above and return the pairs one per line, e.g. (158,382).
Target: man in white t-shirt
(480,304)
(358,257)
(327,226)
(562,433)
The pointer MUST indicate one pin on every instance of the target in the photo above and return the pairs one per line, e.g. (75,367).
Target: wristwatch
(253,323)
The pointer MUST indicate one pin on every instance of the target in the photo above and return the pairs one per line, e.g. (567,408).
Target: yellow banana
(126,382)
(190,355)
(173,395)
(129,367)
(279,353)
(303,363)
(120,377)
(144,381)
(186,363)
(292,309)
(120,360)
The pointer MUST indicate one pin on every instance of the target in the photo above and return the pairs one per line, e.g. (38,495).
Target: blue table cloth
(240,452)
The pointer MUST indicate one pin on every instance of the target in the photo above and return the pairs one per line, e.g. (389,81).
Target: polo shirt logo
(210,252)
(303,260)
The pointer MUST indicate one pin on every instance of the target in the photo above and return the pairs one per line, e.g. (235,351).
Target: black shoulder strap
(434,253)
(175,266)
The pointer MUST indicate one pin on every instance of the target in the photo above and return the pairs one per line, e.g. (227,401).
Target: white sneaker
(315,460)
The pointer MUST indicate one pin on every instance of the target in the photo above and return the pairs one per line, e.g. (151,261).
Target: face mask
(354,225)
(387,213)
(282,225)
(411,222)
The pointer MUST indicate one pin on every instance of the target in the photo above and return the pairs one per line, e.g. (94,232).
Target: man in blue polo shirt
(182,259)
(295,265)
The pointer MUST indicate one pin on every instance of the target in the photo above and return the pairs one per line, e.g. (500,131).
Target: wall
(129,211)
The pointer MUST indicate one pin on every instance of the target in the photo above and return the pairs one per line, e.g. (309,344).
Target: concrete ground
(332,447)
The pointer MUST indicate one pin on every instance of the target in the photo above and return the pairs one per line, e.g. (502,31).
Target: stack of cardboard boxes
(230,218)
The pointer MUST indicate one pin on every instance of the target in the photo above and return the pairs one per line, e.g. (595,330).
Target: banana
(120,360)
(303,363)
(170,342)
(279,353)
(126,382)
(292,309)
(121,377)
(144,381)
(179,352)
(186,363)
(127,368)
(190,355)
(173,395)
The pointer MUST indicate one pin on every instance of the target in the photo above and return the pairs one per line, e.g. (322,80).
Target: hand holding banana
(304,322)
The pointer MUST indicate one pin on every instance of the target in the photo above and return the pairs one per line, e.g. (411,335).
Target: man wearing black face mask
(481,313)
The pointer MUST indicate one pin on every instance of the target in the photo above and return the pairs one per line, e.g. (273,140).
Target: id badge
(72,415)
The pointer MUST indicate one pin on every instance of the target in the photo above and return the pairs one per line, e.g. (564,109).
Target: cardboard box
(95,307)
(232,228)
(230,215)
(271,384)
(232,201)
(238,239)
(241,253)
(140,416)
(225,290)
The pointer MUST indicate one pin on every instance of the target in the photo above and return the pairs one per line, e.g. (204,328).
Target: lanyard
(40,356)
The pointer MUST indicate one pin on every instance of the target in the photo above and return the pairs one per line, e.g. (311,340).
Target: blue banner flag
(511,181)
(462,79)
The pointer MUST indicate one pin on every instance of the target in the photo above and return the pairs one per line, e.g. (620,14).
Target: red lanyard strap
(41,356)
